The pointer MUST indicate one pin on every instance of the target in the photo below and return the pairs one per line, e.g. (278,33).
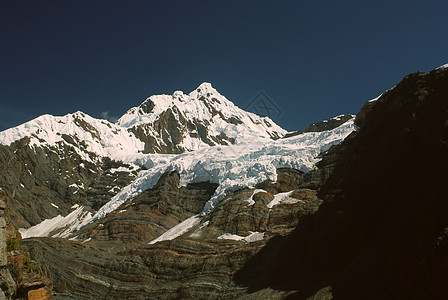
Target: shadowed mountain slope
(382,231)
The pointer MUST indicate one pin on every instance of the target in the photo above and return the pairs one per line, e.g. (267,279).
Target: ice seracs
(232,167)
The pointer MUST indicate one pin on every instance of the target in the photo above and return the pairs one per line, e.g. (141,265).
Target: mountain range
(187,196)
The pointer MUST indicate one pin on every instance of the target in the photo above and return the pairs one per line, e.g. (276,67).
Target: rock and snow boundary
(232,167)
(253,157)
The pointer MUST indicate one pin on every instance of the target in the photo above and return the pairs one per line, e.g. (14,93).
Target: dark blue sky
(314,59)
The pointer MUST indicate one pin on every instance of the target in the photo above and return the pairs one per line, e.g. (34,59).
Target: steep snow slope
(84,133)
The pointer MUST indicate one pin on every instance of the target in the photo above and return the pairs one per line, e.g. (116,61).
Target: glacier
(232,167)
(255,150)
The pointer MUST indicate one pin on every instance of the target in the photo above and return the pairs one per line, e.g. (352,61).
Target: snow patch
(178,230)
(78,186)
(120,169)
(251,198)
(58,226)
(282,198)
(252,237)
(375,99)
(196,233)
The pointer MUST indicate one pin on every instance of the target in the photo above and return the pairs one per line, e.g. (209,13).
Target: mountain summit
(179,122)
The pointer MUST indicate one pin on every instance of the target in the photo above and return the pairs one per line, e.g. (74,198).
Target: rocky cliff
(113,258)
(45,182)
(381,230)
(20,277)
(183,122)
(368,222)
(7,283)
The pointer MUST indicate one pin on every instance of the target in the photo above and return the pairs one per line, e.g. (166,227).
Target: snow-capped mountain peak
(223,143)
(78,130)
(185,122)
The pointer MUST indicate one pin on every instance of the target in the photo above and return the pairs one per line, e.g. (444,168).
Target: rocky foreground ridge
(381,232)
(117,262)
(20,276)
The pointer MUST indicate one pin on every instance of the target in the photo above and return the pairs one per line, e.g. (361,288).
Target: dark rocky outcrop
(20,276)
(179,269)
(381,231)
(8,286)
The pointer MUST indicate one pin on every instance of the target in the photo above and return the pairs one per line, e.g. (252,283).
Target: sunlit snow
(179,229)
(252,237)
(232,167)
(443,66)
(254,157)
(76,218)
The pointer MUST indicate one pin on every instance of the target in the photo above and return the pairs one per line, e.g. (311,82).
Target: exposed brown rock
(34,178)
(40,294)
(145,217)
(118,261)
(18,273)
(178,269)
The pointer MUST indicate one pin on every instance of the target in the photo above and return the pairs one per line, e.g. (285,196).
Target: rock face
(323,125)
(328,124)
(381,231)
(149,214)
(370,222)
(185,269)
(44,182)
(7,284)
(179,122)
(20,277)
(116,260)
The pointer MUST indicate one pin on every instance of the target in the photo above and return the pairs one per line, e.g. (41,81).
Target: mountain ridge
(100,165)
(161,124)
(300,216)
